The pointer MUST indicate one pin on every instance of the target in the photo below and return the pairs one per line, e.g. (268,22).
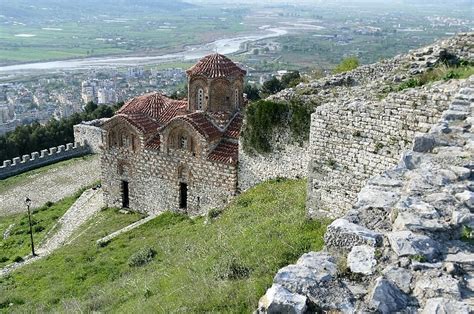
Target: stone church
(165,154)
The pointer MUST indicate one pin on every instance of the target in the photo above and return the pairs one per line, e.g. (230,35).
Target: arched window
(236,98)
(200,98)
(183,142)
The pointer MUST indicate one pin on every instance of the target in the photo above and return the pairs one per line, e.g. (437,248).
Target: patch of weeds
(214,213)
(142,257)
(467,234)
(4,259)
(231,268)
(331,163)
(379,146)
(419,258)
(103,243)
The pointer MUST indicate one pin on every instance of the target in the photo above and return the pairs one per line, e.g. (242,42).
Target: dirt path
(52,184)
(84,208)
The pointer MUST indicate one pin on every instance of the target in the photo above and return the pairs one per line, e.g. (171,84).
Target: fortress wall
(45,157)
(351,142)
(90,133)
(288,159)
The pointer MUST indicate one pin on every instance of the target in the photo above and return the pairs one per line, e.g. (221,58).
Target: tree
(347,64)
(290,79)
(272,86)
(252,92)
(90,107)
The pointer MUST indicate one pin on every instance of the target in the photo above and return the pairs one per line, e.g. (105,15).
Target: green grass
(173,263)
(17,244)
(437,74)
(17,180)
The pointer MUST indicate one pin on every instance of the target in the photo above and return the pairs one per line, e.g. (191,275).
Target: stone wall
(288,159)
(355,140)
(45,157)
(154,179)
(405,245)
(90,133)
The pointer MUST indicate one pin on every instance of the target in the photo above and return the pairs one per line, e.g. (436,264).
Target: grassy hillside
(173,263)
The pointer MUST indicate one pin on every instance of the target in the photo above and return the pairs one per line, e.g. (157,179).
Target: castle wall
(351,142)
(45,157)
(288,159)
(90,133)
(154,178)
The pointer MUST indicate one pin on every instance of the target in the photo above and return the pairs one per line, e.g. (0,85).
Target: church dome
(216,66)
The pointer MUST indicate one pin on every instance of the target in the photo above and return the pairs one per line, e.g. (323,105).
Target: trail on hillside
(51,185)
(88,204)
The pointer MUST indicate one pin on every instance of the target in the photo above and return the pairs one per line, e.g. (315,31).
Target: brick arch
(178,130)
(195,84)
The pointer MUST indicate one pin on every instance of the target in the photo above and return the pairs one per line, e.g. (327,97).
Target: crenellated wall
(45,157)
(351,142)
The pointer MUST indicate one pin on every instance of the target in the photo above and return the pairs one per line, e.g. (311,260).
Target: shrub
(214,213)
(231,268)
(347,64)
(263,116)
(3,259)
(18,259)
(38,228)
(142,257)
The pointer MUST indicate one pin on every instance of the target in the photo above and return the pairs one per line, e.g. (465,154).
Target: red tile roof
(226,152)
(234,128)
(154,143)
(156,106)
(201,124)
(215,66)
(141,121)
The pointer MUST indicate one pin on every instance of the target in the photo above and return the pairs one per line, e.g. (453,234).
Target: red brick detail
(226,152)
(215,66)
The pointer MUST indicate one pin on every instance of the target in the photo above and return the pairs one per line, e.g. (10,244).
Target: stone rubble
(406,243)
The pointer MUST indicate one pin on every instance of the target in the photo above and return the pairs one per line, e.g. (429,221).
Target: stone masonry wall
(288,159)
(154,178)
(43,158)
(351,142)
(405,246)
(90,133)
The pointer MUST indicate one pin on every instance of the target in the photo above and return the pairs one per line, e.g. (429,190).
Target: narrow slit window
(200,98)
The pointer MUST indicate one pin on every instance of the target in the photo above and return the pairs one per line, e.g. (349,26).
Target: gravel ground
(51,185)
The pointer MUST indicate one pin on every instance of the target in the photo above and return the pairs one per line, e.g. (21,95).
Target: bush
(231,268)
(346,65)
(3,259)
(38,228)
(18,259)
(214,213)
(142,257)
(263,116)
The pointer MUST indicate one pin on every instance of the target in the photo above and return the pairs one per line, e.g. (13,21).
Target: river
(223,46)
